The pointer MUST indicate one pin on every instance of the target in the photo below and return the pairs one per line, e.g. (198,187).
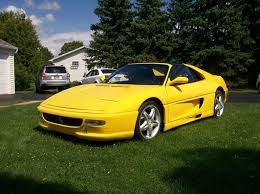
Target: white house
(7,77)
(74,61)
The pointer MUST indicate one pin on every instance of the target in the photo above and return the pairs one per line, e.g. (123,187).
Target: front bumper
(117,126)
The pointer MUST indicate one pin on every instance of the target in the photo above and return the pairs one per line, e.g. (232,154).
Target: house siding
(11,73)
(75,74)
(7,84)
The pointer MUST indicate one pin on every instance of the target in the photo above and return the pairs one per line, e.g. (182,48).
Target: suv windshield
(143,74)
(55,70)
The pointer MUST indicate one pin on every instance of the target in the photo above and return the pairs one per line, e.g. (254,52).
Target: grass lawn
(209,156)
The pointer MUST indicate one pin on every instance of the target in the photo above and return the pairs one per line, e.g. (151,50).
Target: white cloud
(50,17)
(55,42)
(47,5)
(29,3)
(12,8)
(36,20)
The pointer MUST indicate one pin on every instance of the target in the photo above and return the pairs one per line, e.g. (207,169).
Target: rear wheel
(259,88)
(219,104)
(149,121)
(38,89)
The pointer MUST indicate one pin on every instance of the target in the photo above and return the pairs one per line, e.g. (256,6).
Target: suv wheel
(38,89)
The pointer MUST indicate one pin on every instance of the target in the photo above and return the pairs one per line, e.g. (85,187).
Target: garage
(7,78)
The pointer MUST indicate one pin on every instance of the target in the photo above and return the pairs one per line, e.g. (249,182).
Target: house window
(74,65)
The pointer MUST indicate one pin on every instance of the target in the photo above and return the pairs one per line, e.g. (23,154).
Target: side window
(184,71)
(89,73)
(196,76)
(95,73)
(177,71)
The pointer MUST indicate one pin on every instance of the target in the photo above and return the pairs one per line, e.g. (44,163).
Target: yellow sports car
(138,99)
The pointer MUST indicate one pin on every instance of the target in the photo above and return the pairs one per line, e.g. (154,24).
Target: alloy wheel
(219,105)
(149,121)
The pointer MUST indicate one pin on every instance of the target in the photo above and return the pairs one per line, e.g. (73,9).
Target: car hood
(105,98)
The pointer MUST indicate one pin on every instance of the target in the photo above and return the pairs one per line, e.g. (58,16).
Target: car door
(95,76)
(185,100)
(87,79)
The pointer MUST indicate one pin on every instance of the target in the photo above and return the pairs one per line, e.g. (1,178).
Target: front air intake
(74,122)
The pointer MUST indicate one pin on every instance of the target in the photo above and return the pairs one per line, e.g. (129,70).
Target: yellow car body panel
(118,105)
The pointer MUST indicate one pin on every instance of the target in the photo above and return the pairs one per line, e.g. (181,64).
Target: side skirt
(183,121)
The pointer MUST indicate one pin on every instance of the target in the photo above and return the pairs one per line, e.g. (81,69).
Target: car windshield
(55,70)
(105,71)
(143,74)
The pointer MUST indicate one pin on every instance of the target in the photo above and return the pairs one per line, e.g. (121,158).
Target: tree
(18,30)
(213,37)
(151,41)
(69,46)
(251,19)
(46,55)
(111,38)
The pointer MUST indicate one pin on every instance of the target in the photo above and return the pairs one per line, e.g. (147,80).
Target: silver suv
(258,83)
(52,76)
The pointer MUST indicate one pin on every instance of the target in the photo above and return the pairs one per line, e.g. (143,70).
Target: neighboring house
(7,77)
(74,61)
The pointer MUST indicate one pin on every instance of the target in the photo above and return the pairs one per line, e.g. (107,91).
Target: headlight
(95,122)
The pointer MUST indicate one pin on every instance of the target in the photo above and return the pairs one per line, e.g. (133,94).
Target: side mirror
(178,80)
(102,77)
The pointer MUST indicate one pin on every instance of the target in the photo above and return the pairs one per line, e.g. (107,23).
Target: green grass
(209,156)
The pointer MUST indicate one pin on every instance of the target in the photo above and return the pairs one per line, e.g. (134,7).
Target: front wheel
(149,121)
(219,104)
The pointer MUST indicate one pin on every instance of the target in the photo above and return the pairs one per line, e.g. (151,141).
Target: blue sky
(57,21)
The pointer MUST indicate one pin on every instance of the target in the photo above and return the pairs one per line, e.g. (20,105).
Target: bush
(75,83)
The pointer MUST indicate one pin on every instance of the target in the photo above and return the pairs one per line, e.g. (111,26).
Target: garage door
(4,74)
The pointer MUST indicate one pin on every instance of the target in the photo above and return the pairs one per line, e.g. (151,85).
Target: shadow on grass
(217,171)
(23,185)
(76,140)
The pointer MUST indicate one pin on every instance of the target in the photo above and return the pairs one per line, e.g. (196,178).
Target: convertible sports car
(138,99)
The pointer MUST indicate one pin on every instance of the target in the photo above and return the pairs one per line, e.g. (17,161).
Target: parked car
(138,99)
(52,76)
(258,83)
(97,75)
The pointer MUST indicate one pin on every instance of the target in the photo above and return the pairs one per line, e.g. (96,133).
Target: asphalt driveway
(233,97)
(22,98)
(244,97)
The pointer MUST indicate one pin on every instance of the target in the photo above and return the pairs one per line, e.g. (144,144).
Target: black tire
(259,89)
(219,112)
(138,132)
(38,90)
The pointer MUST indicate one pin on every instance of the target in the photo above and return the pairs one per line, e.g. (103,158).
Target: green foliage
(219,36)
(212,35)
(69,46)
(74,83)
(18,30)
(46,55)
(151,40)
(251,19)
(111,39)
